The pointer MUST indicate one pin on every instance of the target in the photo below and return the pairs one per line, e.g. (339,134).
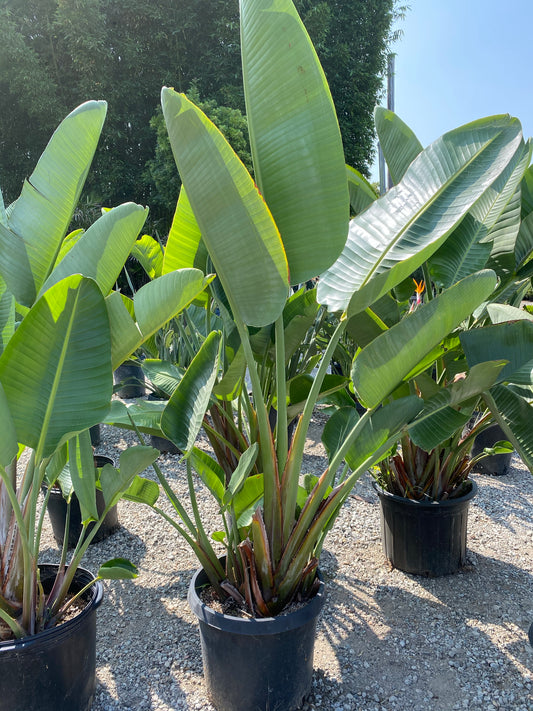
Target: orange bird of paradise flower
(419,290)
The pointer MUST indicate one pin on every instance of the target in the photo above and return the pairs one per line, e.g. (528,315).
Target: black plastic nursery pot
(494,464)
(57,511)
(130,377)
(425,537)
(96,435)
(55,669)
(164,445)
(256,664)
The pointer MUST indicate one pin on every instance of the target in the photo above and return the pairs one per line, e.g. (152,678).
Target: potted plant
(129,379)
(495,233)
(49,409)
(64,509)
(58,288)
(424,498)
(287,228)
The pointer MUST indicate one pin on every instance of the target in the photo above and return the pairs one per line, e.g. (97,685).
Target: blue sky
(460,60)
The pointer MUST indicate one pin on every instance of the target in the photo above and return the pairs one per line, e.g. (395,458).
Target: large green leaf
(133,461)
(146,414)
(439,419)
(236,225)
(499,313)
(490,228)
(367,324)
(527,192)
(125,334)
(56,369)
(163,374)
(148,252)
(294,136)
(401,230)
(240,473)
(524,241)
(117,569)
(362,193)
(231,384)
(161,299)
(142,491)
(82,474)
(398,142)
(337,428)
(154,304)
(8,441)
(380,367)
(247,500)
(184,247)
(504,237)
(515,415)
(381,431)
(38,220)
(184,413)
(210,472)
(461,254)
(101,252)
(7,315)
(511,341)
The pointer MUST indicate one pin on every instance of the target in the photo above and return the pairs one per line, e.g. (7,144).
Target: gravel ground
(386,640)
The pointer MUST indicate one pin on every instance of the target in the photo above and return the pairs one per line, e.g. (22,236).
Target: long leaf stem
(176,503)
(271,503)
(28,558)
(185,338)
(208,559)
(17,630)
(201,534)
(427,279)
(289,487)
(282,442)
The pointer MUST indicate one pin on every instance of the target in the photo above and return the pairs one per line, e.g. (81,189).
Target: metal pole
(390,98)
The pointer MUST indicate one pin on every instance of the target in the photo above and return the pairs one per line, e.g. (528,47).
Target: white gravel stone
(386,639)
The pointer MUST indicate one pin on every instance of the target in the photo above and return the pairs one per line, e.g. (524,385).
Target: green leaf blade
(118,569)
(401,230)
(381,366)
(69,329)
(183,416)
(235,223)
(294,135)
(38,220)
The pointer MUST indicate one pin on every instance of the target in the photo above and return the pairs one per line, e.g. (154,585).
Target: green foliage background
(55,54)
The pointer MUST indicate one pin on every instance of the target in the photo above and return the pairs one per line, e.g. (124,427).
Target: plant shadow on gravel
(503,509)
(149,625)
(463,635)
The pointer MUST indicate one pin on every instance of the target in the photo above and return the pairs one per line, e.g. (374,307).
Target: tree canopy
(55,54)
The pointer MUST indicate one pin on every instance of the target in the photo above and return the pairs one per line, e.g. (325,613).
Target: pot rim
(254,625)
(95,595)
(446,503)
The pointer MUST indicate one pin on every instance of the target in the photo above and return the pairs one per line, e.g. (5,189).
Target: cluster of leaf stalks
(437,475)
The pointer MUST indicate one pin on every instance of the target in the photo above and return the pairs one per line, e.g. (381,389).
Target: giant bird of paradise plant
(496,233)
(289,226)
(63,330)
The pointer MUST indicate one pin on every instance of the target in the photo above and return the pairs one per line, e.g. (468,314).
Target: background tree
(54,54)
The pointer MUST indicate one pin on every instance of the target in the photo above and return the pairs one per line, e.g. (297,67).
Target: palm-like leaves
(399,144)
(401,230)
(294,136)
(38,220)
(234,220)
(69,330)
(381,366)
